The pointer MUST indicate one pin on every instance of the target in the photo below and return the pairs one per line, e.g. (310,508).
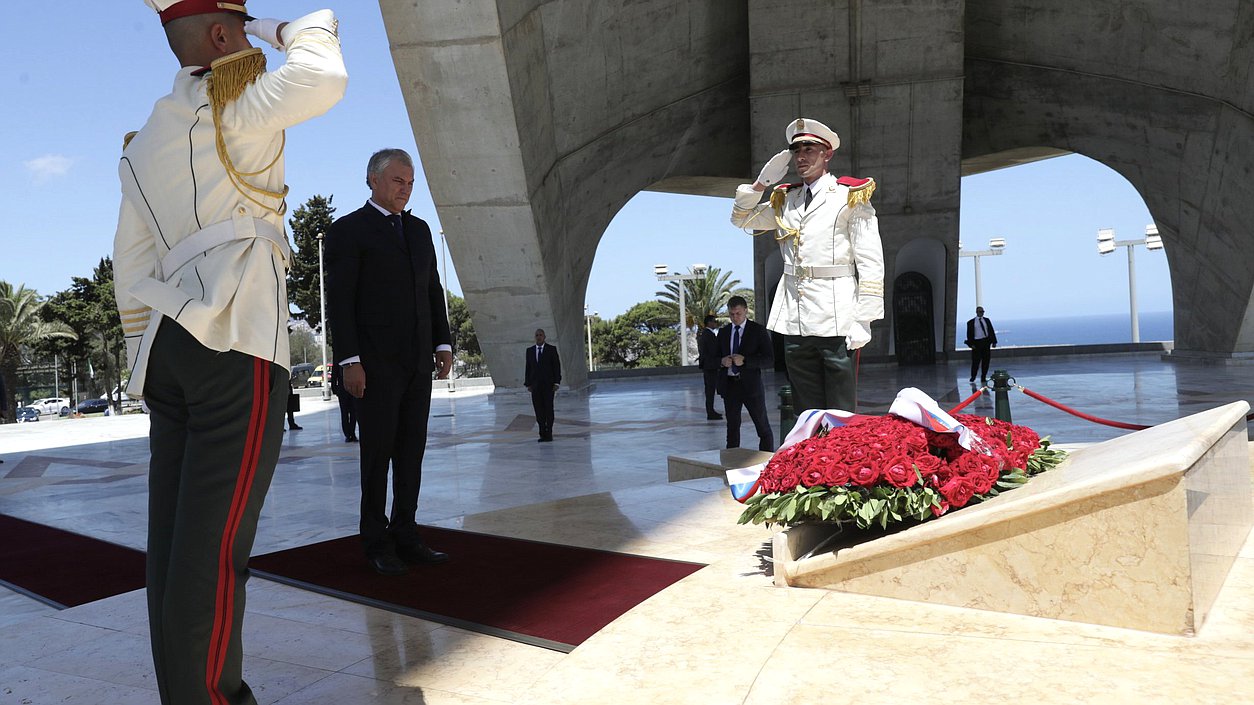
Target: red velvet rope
(1081,414)
(967,401)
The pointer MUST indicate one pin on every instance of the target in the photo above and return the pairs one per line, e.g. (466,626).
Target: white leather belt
(241,227)
(830,271)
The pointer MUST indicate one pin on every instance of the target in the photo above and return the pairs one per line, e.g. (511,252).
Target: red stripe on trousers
(225,604)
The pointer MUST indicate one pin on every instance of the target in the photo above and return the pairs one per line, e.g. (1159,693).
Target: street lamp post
(1106,243)
(697,272)
(587,317)
(995,247)
(322,305)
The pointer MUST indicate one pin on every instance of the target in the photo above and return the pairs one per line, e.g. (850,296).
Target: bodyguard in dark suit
(348,405)
(746,350)
(708,361)
(543,375)
(390,331)
(980,338)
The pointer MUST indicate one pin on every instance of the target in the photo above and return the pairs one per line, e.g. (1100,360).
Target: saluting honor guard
(199,258)
(833,282)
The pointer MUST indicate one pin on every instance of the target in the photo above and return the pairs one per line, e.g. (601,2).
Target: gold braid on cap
(228,78)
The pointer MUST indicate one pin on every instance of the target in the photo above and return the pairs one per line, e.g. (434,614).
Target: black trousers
(542,404)
(393,419)
(711,382)
(981,353)
(216,429)
(821,372)
(738,394)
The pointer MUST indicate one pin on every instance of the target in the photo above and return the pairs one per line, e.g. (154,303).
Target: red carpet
(537,593)
(64,569)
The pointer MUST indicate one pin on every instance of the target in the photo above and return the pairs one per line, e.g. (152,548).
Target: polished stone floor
(724,635)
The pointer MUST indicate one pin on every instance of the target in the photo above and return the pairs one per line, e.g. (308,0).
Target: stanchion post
(1001,395)
(787,415)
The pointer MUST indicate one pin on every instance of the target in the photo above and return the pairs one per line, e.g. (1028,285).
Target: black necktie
(809,197)
(397,226)
(735,348)
(538,350)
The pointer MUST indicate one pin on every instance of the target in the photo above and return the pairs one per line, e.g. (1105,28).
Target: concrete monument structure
(537,120)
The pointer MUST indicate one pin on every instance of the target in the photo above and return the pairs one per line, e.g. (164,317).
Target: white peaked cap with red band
(170,10)
(807,130)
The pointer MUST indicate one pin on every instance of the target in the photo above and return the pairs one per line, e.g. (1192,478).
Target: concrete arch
(537,121)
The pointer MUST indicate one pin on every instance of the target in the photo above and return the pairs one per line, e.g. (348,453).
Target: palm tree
(20,328)
(707,295)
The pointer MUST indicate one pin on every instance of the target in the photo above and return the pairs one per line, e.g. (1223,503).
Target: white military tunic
(227,284)
(833,266)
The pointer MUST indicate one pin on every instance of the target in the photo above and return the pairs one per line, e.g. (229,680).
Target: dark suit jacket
(755,345)
(547,372)
(992,334)
(384,298)
(707,350)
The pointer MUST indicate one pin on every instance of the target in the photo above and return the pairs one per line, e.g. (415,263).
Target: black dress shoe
(420,553)
(294,427)
(351,439)
(387,564)
(545,439)
(713,417)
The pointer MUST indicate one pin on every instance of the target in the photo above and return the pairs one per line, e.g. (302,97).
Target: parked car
(320,377)
(26,414)
(52,405)
(92,406)
(301,374)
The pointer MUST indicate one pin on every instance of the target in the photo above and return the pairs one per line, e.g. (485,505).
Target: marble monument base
(711,463)
(1137,532)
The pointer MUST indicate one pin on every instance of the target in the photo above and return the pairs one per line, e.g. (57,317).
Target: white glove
(775,168)
(267,31)
(859,335)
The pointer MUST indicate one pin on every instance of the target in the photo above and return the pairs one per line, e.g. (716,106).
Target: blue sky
(74,87)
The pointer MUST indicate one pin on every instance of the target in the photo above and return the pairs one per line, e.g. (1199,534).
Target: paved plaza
(603,484)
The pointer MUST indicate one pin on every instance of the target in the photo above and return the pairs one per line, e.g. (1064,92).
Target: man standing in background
(746,350)
(390,331)
(199,261)
(980,338)
(542,377)
(708,361)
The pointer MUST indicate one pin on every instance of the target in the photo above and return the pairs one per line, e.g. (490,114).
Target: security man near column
(541,377)
(708,361)
(980,338)
(199,262)
(833,282)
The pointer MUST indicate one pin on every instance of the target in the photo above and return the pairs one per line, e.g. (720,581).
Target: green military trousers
(216,430)
(821,373)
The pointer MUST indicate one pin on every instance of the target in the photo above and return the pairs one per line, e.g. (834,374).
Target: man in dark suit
(745,349)
(708,361)
(348,405)
(390,331)
(543,375)
(980,338)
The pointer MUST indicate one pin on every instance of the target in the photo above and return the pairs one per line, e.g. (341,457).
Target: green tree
(307,222)
(466,350)
(303,345)
(703,296)
(643,336)
(21,328)
(90,309)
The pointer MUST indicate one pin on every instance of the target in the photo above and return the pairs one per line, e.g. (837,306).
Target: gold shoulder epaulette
(779,193)
(860,190)
(126,140)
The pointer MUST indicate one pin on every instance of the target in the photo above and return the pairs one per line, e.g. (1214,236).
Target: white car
(52,405)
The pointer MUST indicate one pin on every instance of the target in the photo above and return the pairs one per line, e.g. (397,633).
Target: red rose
(899,471)
(855,454)
(864,474)
(812,477)
(915,440)
(937,511)
(957,491)
(836,474)
(927,463)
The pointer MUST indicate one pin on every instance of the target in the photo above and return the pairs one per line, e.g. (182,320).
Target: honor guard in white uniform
(833,282)
(200,259)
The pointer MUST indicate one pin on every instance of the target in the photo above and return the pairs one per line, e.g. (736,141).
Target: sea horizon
(1155,326)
